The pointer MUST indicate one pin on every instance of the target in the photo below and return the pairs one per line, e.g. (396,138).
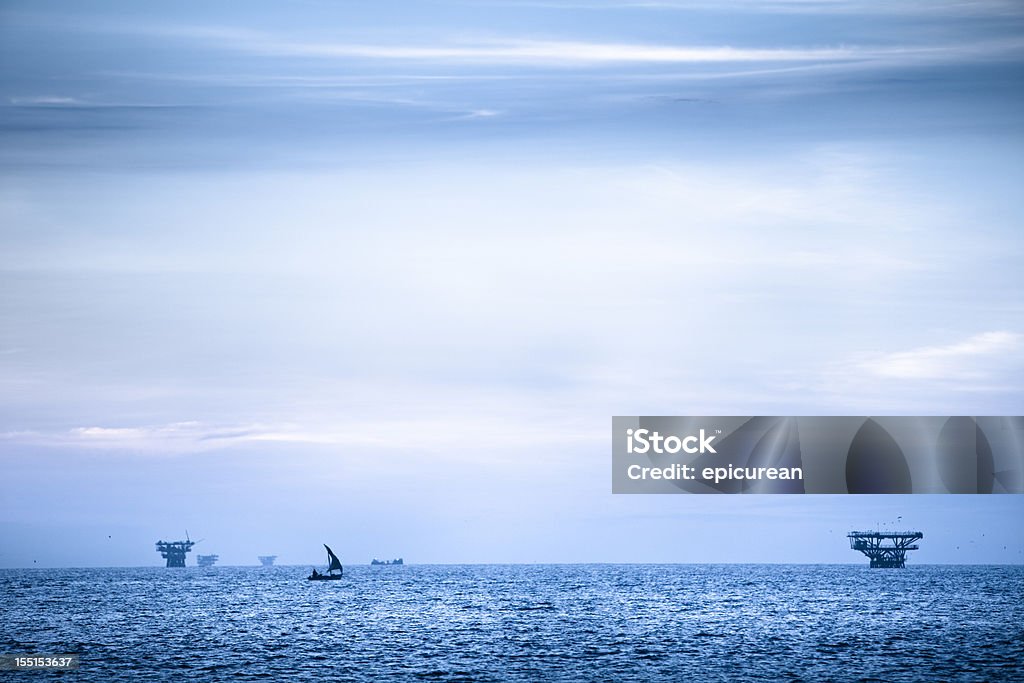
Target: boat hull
(325,577)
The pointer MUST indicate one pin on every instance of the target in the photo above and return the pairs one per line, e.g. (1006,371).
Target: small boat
(333,565)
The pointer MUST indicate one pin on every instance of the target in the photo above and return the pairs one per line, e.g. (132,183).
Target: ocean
(522,623)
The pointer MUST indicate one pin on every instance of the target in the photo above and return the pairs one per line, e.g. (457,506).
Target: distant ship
(206,560)
(386,562)
(267,560)
(333,565)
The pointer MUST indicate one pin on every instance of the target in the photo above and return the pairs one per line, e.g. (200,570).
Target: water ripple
(524,623)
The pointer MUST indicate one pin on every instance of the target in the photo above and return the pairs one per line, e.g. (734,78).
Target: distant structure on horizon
(386,562)
(174,551)
(207,560)
(885,549)
(267,560)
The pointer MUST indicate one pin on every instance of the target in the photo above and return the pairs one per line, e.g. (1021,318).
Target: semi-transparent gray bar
(849,454)
(25,661)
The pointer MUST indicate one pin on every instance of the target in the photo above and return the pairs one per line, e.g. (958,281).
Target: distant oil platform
(206,560)
(267,560)
(174,551)
(885,549)
(376,562)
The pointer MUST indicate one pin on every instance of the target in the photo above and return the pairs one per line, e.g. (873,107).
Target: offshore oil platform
(267,560)
(174,551)
(885,549)
(206,560)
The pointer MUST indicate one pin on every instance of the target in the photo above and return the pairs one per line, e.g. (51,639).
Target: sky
(379,274)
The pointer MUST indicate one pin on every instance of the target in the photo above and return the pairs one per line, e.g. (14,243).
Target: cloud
(555,52)
(438,435)
(806,7)
(482,113)
(566,52)
(976,357)
(562,53)
(45,100)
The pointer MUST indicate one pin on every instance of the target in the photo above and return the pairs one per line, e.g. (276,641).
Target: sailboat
(333,565)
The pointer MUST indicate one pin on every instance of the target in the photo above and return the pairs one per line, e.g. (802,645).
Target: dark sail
(335,563)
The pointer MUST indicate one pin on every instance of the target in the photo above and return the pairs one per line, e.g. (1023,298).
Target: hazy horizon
(670,529)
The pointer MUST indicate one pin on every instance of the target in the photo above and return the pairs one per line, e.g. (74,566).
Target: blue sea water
(522,623)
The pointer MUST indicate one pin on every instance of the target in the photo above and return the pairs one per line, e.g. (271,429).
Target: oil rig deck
(206,560)
(174,551)
(267,560)
(885,549)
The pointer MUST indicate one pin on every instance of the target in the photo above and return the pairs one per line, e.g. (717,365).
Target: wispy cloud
(532,51)
(435,435)
(578,53)
(571,52)
(808,7)
(44,100)
(976,357)
(481,114)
